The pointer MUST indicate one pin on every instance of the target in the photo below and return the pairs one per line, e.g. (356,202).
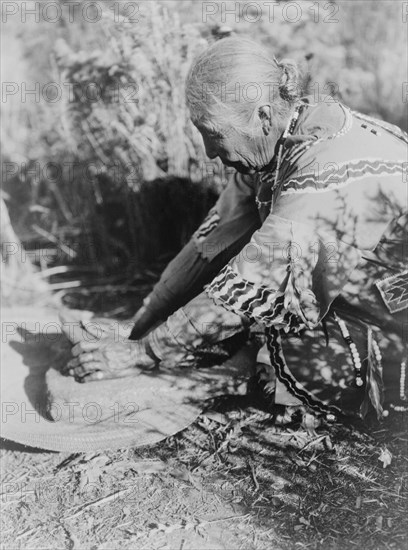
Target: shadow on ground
(231,480)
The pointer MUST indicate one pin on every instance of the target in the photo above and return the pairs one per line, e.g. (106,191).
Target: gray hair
(220,78)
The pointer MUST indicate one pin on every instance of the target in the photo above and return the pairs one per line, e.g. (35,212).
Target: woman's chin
(245,169)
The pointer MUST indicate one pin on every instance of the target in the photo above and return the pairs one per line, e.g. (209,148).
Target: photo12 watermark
(54,12)
(269,12)
(70,412)
(114,91)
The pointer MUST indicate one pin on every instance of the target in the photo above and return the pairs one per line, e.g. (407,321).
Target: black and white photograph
(204,275)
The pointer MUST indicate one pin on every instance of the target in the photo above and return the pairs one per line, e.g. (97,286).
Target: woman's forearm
(182,280)
(224,232)
(200,322)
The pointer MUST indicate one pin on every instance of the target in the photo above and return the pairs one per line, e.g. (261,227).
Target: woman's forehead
(204,121)
(208,115)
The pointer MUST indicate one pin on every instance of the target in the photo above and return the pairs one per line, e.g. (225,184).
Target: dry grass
(238,483)
(231,480)
(99,220)
(139,123)
(109,188)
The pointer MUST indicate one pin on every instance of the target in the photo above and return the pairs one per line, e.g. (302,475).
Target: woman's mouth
(238,165)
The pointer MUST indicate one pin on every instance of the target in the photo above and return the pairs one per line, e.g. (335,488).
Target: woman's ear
(265,116)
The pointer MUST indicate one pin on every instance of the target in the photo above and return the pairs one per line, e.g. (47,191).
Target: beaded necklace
(402,394)
(348,122)
(342,325)
(355,357)
(288,131)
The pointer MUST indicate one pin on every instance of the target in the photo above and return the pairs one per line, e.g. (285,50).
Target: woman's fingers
(91,377)
(83,347)
(73,363)
(75,366)
(71,368)
(86,358)
(105,375)
(83,370)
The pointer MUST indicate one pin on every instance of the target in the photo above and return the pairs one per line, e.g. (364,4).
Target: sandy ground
(230,481)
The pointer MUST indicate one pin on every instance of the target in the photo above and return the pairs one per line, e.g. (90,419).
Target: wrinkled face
(233,149)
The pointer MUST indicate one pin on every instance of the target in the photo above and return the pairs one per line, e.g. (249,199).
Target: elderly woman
(306,247)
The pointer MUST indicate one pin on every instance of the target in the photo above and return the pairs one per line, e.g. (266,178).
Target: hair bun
(289,81)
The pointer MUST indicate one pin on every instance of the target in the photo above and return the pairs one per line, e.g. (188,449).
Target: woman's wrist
(142,354)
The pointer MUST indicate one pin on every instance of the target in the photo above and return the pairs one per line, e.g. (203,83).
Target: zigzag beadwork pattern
(347,172)
(210,223)
(394,291)
(283,374)
(256,302)
(265,306)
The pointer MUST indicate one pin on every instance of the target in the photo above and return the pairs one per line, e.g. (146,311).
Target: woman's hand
(77,325)
(106,359)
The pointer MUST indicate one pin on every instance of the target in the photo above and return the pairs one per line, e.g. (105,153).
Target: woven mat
(43,409)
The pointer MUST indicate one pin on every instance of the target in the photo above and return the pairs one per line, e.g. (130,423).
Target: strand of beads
(288,130)
(377,351)
(403,395)
(399,408)
(353,349)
